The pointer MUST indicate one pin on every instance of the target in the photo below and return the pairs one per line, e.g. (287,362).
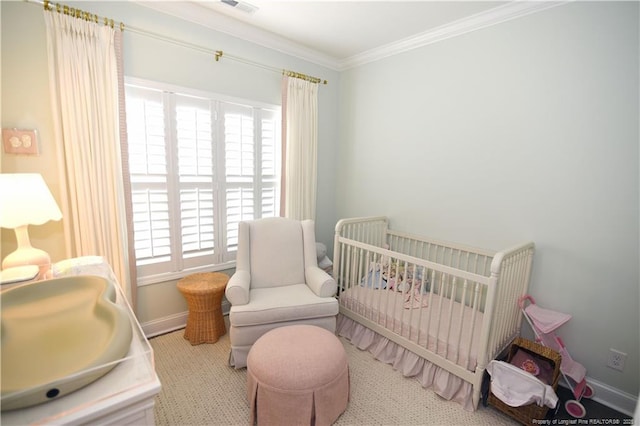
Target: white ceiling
(341,34)
(343,29)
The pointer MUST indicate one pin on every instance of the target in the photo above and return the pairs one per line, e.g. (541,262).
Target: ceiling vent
(245,7)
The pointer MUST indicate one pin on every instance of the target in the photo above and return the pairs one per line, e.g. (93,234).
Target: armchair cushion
(280,304)
(276,252)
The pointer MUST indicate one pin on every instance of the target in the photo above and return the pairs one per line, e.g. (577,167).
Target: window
(199,164)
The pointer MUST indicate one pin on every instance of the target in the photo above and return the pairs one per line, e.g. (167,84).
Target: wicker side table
(203,293)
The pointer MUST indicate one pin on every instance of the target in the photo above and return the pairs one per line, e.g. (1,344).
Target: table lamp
(26,200)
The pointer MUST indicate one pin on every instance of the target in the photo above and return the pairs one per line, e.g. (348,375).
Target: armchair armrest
(237,291)
(320,282)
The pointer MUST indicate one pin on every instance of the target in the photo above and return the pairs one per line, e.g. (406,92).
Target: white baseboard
(165,325)
(172,322)
(611,397)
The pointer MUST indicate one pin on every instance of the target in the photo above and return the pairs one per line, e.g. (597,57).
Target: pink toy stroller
(544,322)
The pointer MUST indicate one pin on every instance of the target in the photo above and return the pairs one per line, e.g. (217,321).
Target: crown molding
(192,12)
(497,15)
(210,19)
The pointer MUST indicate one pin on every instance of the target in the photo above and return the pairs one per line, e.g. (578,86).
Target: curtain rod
(77,13)
(219,54)
(216,53)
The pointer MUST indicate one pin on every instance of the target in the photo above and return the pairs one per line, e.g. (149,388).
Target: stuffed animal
(323,260)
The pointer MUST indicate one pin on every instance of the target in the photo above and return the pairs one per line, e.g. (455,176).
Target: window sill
(175,276)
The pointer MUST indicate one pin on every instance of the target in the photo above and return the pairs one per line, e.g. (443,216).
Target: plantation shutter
(251,169)
(196,161)
(149,179)
(270,163)
(240,169)
(198,167)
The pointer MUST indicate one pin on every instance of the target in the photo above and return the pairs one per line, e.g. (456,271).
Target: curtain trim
(283,167)
(130,254)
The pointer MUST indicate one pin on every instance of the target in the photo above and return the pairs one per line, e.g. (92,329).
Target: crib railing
(369,230)
(459,256)
(374,231)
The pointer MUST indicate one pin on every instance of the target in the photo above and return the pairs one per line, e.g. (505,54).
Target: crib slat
(461,320)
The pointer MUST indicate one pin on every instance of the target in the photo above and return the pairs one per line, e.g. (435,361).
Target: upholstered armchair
(277,282)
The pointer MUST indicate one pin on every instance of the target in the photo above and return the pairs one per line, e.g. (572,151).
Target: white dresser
(124,396)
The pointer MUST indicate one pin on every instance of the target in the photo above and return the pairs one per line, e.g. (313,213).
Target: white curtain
(83,81)
(300,140)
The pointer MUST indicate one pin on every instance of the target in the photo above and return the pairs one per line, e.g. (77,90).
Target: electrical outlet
(616,359)
(18,141)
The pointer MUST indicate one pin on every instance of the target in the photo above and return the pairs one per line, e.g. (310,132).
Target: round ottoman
(297,375)
(203,292)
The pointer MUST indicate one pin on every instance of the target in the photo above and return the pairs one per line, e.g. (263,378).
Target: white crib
(437,311)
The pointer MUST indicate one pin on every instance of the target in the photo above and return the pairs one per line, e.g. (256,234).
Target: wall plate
(17,141)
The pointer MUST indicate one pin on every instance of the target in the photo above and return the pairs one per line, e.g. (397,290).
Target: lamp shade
(25,199)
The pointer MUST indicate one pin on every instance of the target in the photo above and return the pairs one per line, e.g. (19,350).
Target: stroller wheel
(588,391)
(575,409)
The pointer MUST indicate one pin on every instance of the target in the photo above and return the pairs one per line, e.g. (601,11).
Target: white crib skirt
(443,383)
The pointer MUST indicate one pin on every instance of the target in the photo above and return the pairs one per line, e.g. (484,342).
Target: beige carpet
(199,388)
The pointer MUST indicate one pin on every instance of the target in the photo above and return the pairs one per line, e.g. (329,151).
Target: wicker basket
(527,413)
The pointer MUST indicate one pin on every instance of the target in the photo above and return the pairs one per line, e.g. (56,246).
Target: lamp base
(29,256)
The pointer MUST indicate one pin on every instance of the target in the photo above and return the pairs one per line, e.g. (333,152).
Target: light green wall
(527,130)
(25,104)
